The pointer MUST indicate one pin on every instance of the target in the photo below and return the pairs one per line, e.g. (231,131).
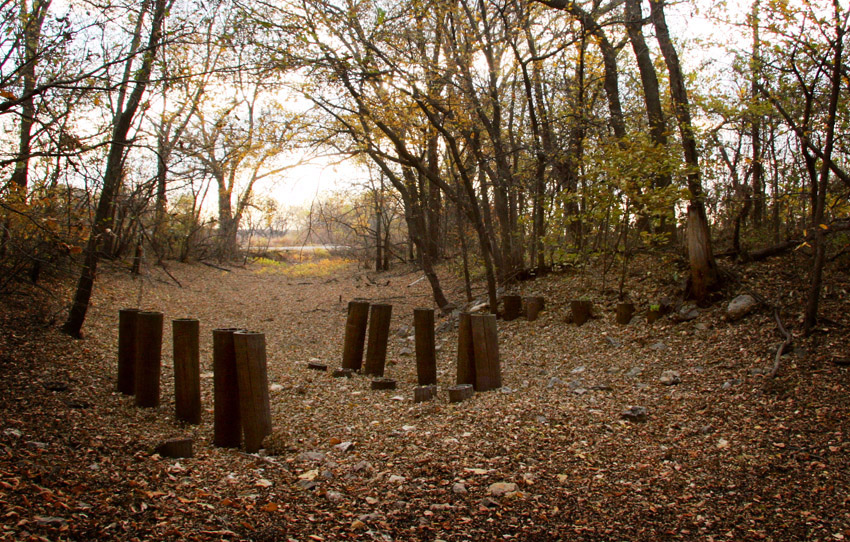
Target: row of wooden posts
(477,354)
(240,378)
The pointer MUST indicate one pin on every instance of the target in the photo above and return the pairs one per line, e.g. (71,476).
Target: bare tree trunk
(704,277)
(112,175)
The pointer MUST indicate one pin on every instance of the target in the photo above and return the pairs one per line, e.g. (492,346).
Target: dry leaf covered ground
(723,455)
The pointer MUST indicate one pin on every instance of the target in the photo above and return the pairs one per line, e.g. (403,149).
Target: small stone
(488,503)
(554,381)
(339,373)
(758,372)
(361,466)
(12,433)
(50,521)
(334,496)
(578,370)
(372,516)
(670,378)
(658,347)
(306,484)
(729,383)
(439,507)
(357,525)
(501,488)
(405,351)
(344,446)
(275,387)
(634,371)
(579,391)
(541,419)
(634,414)
(317,457)
(506,389)
(613,343)
(702,326)
(396,479)
(687,313)
(740,307)
(601,387)
(722,444)
(459,489)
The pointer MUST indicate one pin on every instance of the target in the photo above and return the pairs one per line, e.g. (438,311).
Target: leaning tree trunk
(704,277)
(112,176)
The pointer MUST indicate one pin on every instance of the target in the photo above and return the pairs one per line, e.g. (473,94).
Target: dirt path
(546,458)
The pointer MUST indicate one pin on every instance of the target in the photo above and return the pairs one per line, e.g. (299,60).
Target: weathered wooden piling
(426,354)
(127,350)
(227,421)
(379,332)
(187,369)
(148,358)
(251,372)
(355,335)
(485,341)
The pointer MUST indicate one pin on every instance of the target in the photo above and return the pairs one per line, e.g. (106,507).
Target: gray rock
(554,381)
(729,383)
(439,507)
(50,521)
(362,466)
(579,391)
(578,370)
(670,378)
(11,432)
(601,387)
(687,313)
(614,343)
(740,307)
(405,351)
(659,346)
(317,457)
(459,489)
(488,502)
(758,372)
(396,479)
(344,446)
(334,496)
(634,414)
(634,371)
(501,488)
(575,384)
(306,484)
(541,419)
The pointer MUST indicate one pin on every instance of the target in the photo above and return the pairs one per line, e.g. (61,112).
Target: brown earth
(727,454)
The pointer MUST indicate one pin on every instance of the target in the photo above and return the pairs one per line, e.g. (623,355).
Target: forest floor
(726,454)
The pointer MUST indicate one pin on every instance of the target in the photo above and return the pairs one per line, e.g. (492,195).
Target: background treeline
(510,135)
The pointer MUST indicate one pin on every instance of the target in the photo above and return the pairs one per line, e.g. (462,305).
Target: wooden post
(533,306)
(460,392)
(187,369)
(355,335)
(379,332)
(148,358)
(465,351)
(513,307)
(581,311)
(426,355)
(624,313)
(485,342)
(253,388)
(424,393)
(227,422)
(127,351)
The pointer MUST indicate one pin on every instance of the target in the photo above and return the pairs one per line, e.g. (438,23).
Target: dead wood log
(624,313)
(424,393)
(533,306)
(382,383)
(786,343)
(426,354)
(252,376)
(127,351)
(581,309)
(355,335)
(379,332)
(148,358)
(227,421)
(187,369)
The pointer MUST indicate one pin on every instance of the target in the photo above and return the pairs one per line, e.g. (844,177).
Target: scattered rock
(489,503)
(317,457)
(396,479)
(50,521)
(362,466)
(440,507)
(634,414)
(612,342)
(759,372)
(12,433)
(275,387)
(634,372)
(339,373)
(670,378)
(405,351)
(344,446)
(601,387)
(334,496)
(740,307)
(658,347)
(459,489)
(729,383)
(579,391)
(306,484)
(578,370)
(554,381)
(357,525)
(687,313)
(501,488)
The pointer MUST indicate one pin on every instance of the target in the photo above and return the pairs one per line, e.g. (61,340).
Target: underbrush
(314,267)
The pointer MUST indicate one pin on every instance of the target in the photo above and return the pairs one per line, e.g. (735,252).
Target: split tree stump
(465,351)
(127,350)
(533,306)
(580,309)
(355,335)
(253,388)
(424,393)
(460,393)
(227,422)
(426,355)
(485,341)
(513,307)
(625,311)
(148,358)
(187,369)
(382,383)
(379,332)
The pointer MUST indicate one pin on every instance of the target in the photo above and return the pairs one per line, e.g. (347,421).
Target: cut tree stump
(253,380)
(533,306)
(580,309)
(426,354)
(625,311)
(460,393)
(187,370)
(382,383)
(513,307)
(485,343)
(342,372)
(317,366)
(175,448)
(652,315)
(127,350)
(355,335)
(379,332)
(424,393)
(227,421)
(148,358)
(465,351)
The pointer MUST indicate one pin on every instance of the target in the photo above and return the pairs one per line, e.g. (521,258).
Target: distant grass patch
(313,267)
